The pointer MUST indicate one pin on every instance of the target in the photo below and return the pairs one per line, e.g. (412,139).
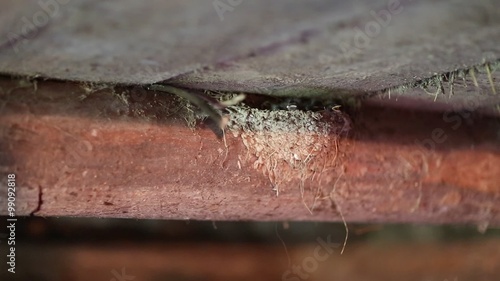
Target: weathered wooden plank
(281,48)
(408,261)
(144,42)
(124,152)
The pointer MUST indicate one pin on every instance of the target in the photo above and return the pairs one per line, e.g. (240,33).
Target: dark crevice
(40,202)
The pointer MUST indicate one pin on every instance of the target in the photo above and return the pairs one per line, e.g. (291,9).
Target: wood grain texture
(284,47)
(124,152)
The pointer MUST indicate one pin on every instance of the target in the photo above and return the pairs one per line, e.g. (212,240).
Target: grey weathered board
(305,48)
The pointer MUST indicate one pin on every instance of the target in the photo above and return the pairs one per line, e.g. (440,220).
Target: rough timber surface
(422,145)
(125,152)
(314,48)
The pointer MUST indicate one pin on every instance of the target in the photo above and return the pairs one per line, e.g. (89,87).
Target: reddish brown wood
(462,261)
(122,152)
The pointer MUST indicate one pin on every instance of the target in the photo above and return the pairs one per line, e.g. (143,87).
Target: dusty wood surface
(92,41)
(125,152)
(461,261)
(321,47)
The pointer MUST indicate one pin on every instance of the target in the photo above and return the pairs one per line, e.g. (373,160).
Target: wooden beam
(212,261)
(80,150)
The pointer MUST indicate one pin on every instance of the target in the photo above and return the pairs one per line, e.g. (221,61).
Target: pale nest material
(289,144)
